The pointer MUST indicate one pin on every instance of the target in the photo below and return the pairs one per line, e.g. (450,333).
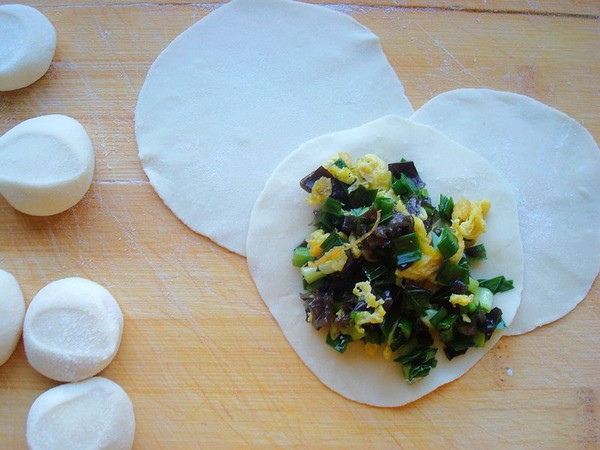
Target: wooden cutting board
(202,359)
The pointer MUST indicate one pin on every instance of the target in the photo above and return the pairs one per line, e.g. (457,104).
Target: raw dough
(242,88)
(26,47)
(72,329)
(92,414)
(553,166)
(46,165)
(12,311)
(280,221)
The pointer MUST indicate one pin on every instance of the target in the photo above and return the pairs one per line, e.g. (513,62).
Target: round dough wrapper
(26,48)
(46,164)
(12,312)
(281,220)
(92,414)
(242,88)
(553,166)
(72,329)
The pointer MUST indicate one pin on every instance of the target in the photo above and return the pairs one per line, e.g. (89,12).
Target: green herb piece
(473,285)
(361,196)
(395,329)
(450,272)
(404,186)
(422,353)
(333,240)
(311,274)
(443,320)
(446,242)
(386,205)
(301,256)
(458,346)
(417,299)
(390,320)
(497,284)
(373,335)
(418,363)
(333,207)
(427,316)
(408,249)
(432,213)
(438,317)
(484,298)
(340,163)
(479,340)
(326,222)
(464,262)
(312,287)
(373,270)
(445,207)
(423,193)
(470,308)
(340,343)
(407,348)
(405,326)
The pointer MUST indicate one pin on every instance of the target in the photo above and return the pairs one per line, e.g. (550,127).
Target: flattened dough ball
(46,165)
(92,414)
(242,88)
(553,165)
(72,329)
(12,311)
(280,221)
(27,46)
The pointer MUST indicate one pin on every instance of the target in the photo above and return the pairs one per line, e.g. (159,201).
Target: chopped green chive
(333,207)
(445,207)
(450,272)
(333,240)
(446,242)
(497,284)
(301,256)
(408,249)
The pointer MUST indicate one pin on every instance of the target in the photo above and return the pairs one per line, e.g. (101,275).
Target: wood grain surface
(202,359)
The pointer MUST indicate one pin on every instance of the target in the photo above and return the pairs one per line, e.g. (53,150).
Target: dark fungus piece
(407,168)
(339,191)
(319,307)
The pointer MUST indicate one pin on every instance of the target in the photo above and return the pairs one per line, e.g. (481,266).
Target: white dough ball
(72,329)
(46,164)
(92,414)
(27,45)
(12,311)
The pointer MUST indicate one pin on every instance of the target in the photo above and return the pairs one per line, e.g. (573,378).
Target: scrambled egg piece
(314,242)
(461,299)
(428,266)
(344,174)
(320,191)
(373,172)
(332,261)
(401,208)
(468,217)
(363,291)
(370,170)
